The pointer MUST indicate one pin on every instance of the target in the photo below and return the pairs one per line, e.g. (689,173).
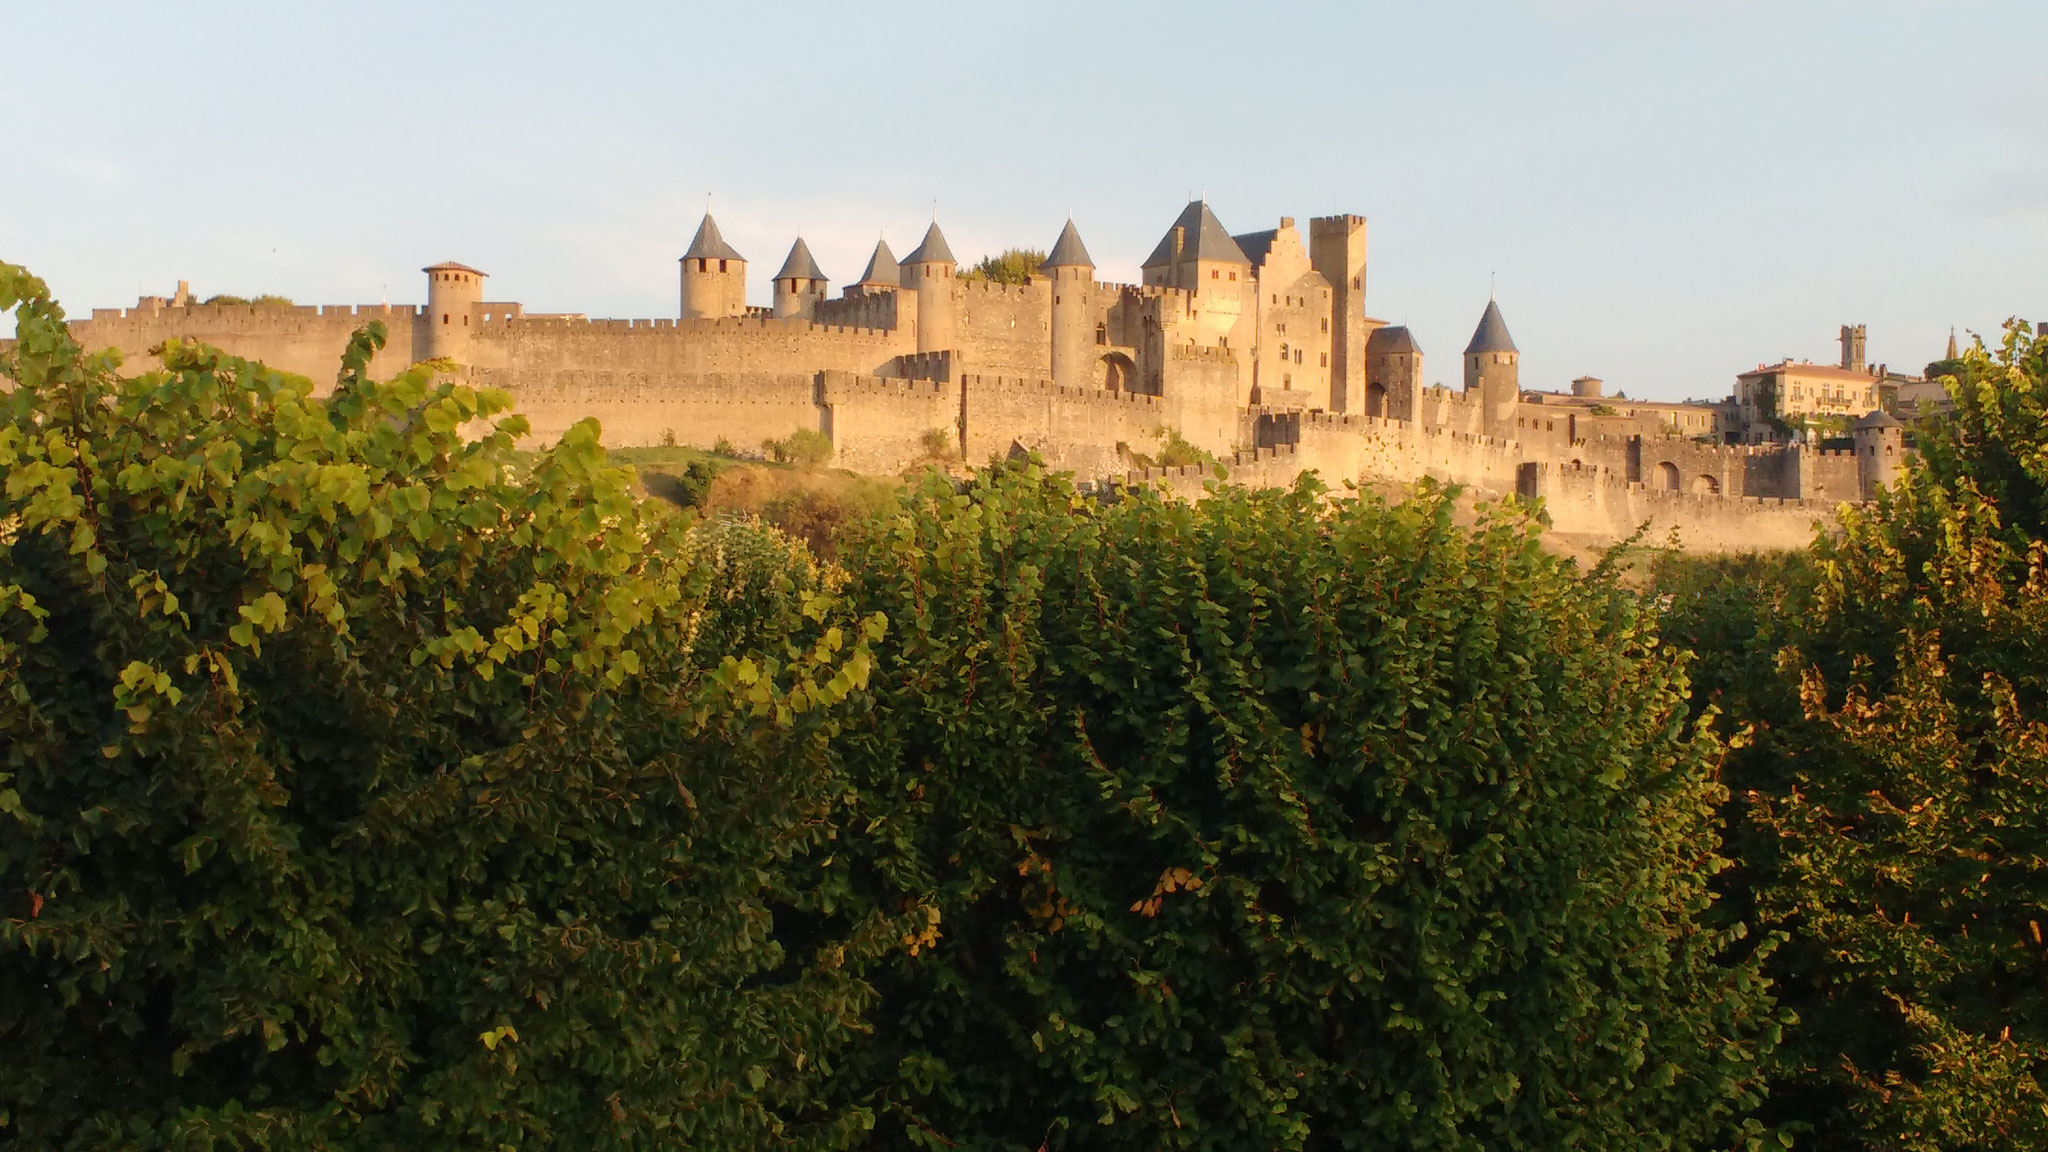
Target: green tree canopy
(1898,792)
(366,785)
(1010,266)
(1257,823)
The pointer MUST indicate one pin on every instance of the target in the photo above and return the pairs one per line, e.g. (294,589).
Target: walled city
(1253,347)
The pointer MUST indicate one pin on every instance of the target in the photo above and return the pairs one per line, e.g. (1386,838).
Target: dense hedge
(368,785)
(1895,815)
(1266,823)
(361,790)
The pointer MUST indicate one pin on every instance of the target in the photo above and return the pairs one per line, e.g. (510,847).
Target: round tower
(714,276)
(1880,450)
(799,285)
(928,272)
(453,293)
(1072,272)
(1493,372)
(1588,387)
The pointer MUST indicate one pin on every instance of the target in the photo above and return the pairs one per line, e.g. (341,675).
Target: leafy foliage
(264,301)
(1899,788)
(1010,266)
(1261,824)
(805,448)
(363,787)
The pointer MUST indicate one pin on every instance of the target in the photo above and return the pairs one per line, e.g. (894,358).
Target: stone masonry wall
(303,340)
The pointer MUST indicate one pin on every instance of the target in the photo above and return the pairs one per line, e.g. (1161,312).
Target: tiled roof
(709,245)
(1202,238)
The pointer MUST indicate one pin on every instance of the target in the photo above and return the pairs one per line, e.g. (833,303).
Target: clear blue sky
(1668,190)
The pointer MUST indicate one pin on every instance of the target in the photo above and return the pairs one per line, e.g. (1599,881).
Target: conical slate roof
(1387,341)
(1203,238)
(1878,419)
(709,245)
(933,250)
(1492,333)
(1068,251)
(800,266)
(882,267)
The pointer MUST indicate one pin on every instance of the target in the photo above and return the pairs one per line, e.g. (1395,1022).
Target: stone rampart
(685,347)
(305,340)
(1074,429)
(1597,502)
(640,409)
(885,426)
(1004,329)
(876,309)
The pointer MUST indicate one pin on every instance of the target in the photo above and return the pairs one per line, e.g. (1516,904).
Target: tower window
(1233,275)
(1326,359)
(721,265)
(444,317)
(1215,274)
(1326,323)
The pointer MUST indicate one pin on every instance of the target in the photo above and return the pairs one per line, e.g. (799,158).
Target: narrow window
(721,265)
(1326,323)
(444,317)
(1326,359)
(1233,275)
(1215,274)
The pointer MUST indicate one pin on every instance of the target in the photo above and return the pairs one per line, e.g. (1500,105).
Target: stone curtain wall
(304,340)
(640,409)
(686,347)
(1075,429)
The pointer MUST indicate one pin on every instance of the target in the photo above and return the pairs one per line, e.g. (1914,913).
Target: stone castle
(1254,347)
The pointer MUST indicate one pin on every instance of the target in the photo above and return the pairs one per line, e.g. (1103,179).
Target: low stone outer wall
(639,409)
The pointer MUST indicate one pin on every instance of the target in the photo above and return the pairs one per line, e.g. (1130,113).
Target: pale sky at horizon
(1667,192)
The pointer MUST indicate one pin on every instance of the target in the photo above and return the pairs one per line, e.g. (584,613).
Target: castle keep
(1254,346)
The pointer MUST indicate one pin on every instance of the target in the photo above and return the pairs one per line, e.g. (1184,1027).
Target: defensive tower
(1493,372)
(799,285)
(1393,374)
(928,272)
(453,292)
(882,270)
(1072,272)
(1336,248)
(714,276)
(1853,336)
(1880,445)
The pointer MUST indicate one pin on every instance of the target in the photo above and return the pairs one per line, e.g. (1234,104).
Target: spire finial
(1492,283)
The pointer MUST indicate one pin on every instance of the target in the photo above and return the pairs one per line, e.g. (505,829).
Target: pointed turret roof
(882,267)
(1878,418)
(1203,237)
(1068,251)
(1951,344)
(1386,341)
(1492,333)
(709,245)
(933,250)
(800,266)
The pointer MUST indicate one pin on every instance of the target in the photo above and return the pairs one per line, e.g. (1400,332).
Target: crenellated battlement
(1032,286)
(1027,386)
(763,324)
